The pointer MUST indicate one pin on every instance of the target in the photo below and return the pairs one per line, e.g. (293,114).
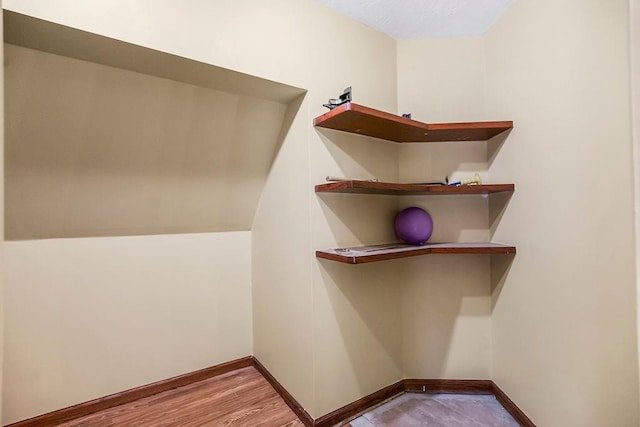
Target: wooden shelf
(390,188)
(362,120)
(364,254)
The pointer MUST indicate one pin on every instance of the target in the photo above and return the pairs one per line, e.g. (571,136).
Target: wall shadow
(412,309)
(290,114)
(368,219)
(498,203)
(433,162)
(500,267)
(365,307)
(359,218)
(93,150)
(446,316)
(495,144)
(361,157)
(362,284)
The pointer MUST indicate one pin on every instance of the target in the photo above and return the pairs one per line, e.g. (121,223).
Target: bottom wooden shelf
(363,254)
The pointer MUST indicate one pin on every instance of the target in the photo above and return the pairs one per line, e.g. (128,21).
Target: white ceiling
(419,19)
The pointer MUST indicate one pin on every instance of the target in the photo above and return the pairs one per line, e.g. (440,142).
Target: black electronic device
(344,98)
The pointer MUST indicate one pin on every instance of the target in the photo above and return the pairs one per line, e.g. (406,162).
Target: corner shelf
(357,119)
(365,254)
(367,121)
(396,189)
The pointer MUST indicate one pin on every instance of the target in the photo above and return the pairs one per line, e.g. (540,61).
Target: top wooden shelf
(367,121)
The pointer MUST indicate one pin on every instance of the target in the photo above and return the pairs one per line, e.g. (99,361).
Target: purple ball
(414,225)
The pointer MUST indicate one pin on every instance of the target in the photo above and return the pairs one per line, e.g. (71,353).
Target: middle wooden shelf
(373,253)
(397,189)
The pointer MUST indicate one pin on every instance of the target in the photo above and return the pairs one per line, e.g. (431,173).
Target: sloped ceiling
(421,19)
(106,138)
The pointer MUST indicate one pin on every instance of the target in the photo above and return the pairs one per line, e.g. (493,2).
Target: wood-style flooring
(239,398)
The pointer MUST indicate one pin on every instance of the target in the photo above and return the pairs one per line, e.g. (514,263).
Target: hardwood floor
(244,397)
(239,398)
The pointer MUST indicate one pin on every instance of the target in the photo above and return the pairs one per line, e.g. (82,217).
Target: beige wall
(281,294)
(94,316)
(562,317)
(446,302)
(241,35)
(635,115)
(564,321)
(101,151)
(357,309)
(558,335)
(306,45)
(441,80)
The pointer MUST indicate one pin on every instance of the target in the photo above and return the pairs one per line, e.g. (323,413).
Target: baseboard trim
(286,396)
(448,386)
(360,405)
(102,403)
(511,407)
(332,418)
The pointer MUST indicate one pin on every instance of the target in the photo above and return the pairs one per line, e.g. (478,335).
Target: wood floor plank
(235,399)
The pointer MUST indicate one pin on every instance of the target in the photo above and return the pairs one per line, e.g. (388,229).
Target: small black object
(344,98)
(407,115)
